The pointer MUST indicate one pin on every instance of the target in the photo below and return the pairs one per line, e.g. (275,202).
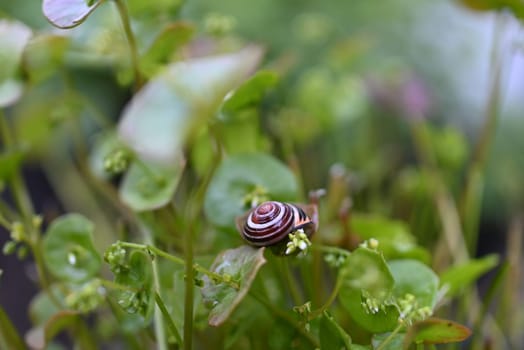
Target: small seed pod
(270,223)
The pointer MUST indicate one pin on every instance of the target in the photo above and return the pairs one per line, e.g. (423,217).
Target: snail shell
(270,223)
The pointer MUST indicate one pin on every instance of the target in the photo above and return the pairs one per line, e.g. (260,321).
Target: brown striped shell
(270,223)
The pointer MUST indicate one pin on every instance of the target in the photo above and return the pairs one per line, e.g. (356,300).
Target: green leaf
(366,276)
(68,13)
(415,278)
(437,331)
(393,235)
(138,300)
(250,93)
(240,175)
(243,134)
(148,186)
(332,335)
(242,264)
(458,277)
(171,38)
(68,249)
(13,38)
(42,308)
(9,337)
(10,92)
(170,108)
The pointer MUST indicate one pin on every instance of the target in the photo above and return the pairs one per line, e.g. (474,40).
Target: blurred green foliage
(152,120)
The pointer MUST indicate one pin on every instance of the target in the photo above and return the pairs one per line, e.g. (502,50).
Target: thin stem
(493,289)
(471,196)
(446,208)
(390,337)
(332,250)
(152,250)
(291,282)
(124,16)
(4,222)
(314,314)
(25,207)
(116,286)
(170,323)
(189,288)
(160,332)
(285,317)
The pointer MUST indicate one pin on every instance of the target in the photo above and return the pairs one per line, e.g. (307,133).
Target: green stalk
(189,285)
(160,332)
(291,282)
(447,210)
(124,16)
(390,337)
(168,318)
(472,195)
(285,317)
(495,286)
(328,302)
(26,210)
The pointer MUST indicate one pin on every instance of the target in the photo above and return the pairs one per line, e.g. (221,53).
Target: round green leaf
(242,264)
(68,13)
(68,249)
(415,278)
(240,175)
(395,239)
(366,276)
(166,112)
(148,186)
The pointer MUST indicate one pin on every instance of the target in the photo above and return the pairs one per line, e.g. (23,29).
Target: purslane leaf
(241,265)
(68,249)
(168,110)
(68,13)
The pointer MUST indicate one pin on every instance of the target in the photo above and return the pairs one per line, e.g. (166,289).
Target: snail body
(270,223)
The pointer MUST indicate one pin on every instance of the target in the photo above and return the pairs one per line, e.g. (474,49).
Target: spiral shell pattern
(271,222)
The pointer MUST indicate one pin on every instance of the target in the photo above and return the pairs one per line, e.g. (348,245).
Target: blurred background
(355,78)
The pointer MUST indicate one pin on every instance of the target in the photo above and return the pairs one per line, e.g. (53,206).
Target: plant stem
(390,337)
(189,294)
(448,213)
(285,317)
(158,252)
(291,282)
(329,301)
(170,323)
(471,197)
(124,16)
(26,210)
(160,332)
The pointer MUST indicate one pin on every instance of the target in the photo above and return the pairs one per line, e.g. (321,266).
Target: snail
(270,223)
